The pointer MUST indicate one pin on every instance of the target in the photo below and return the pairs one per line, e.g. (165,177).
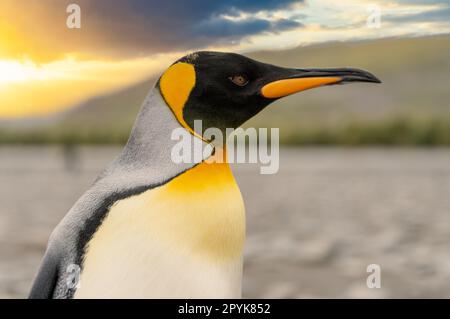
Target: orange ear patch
(176,85)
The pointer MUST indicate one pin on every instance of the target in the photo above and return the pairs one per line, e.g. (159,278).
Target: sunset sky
(46,67)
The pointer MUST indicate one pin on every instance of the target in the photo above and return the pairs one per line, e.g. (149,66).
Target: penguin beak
(290,81)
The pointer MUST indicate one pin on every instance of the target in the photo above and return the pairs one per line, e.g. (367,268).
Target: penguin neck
(151,137)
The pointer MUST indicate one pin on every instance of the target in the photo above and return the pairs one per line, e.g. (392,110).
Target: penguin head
(224,90)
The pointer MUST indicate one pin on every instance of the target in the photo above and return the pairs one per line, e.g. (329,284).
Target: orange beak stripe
(286,87)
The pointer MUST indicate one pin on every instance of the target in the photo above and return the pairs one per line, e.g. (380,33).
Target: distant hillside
(415,73)
(410,107)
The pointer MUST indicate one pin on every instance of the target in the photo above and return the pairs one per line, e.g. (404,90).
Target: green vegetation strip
(431,132)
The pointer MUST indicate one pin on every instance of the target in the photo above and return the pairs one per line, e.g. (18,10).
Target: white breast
(181,240)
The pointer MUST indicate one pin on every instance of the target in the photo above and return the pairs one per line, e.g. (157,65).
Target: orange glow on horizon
(30,89)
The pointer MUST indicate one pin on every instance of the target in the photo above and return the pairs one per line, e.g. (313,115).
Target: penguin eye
(239,80)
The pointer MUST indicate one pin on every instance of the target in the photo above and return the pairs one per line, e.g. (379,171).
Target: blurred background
(364,169)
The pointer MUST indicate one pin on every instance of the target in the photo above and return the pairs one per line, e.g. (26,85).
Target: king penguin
(152,228)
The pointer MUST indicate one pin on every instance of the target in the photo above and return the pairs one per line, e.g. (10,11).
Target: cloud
(219,27)
(423,1)
(436,15)
(138,27)
(167,25)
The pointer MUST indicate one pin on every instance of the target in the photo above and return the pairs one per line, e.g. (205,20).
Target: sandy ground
(313,228)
